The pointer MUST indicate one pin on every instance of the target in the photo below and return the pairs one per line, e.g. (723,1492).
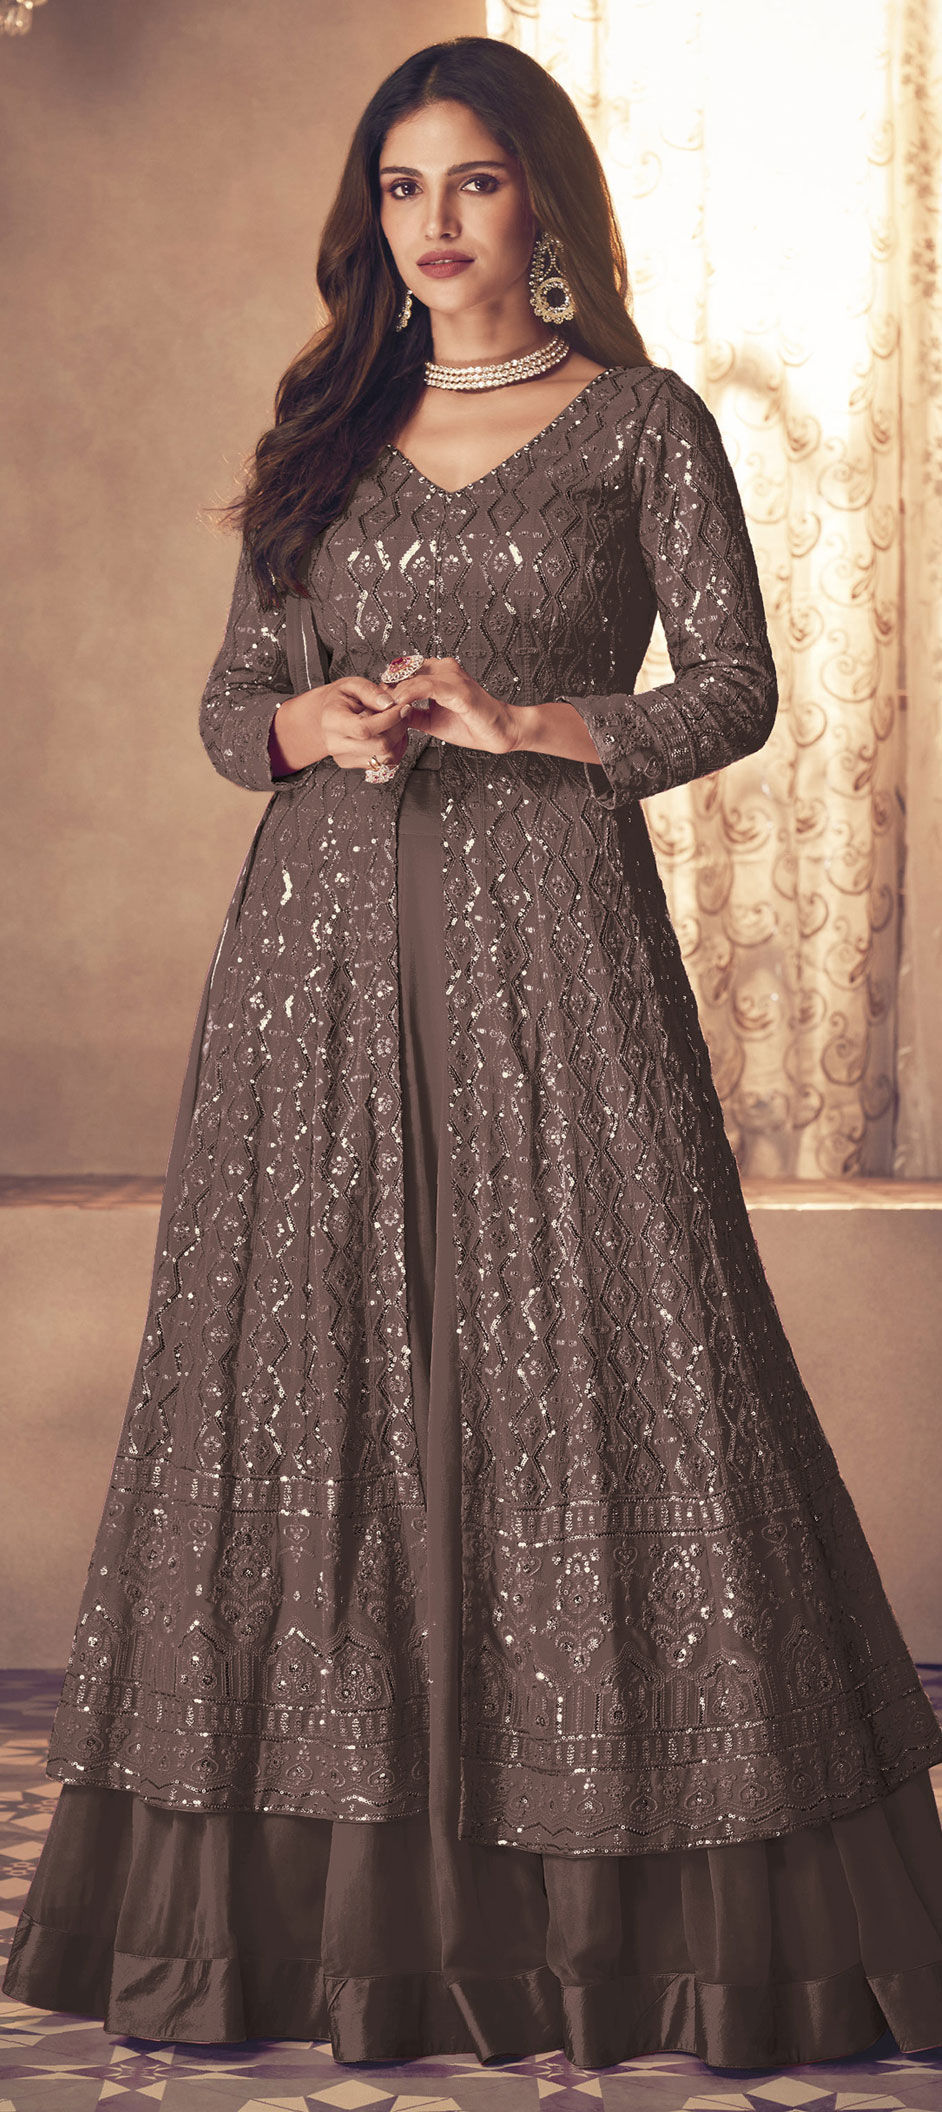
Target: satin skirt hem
(410,2016)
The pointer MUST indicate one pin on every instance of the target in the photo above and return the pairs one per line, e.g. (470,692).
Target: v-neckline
(454,491)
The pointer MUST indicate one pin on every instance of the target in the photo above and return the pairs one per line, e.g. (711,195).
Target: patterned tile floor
(50,2062)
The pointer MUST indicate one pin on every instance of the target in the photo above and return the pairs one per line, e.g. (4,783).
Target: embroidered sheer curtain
(778,179)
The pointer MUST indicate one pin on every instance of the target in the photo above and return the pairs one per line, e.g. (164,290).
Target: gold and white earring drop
(405,311)
(550,294)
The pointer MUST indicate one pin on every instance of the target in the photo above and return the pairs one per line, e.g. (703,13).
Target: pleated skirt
(399,1940)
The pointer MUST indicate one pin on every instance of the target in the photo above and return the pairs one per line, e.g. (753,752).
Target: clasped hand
(358,720)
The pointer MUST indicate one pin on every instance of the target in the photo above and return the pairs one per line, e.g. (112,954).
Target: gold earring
(405,311)
(550,294)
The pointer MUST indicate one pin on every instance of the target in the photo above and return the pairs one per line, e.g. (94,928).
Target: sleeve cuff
(635,737)
(287,777)
(243,757)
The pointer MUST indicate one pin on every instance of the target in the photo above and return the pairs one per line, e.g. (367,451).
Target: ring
(397,670)
(403,665)
(377,772)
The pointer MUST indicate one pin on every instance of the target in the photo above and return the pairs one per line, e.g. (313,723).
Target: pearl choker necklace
(491,375)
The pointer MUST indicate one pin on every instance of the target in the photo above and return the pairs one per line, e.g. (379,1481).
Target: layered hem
(217,1929)
(409,2016)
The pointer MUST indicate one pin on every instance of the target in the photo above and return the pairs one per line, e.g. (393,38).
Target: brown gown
(401,1939)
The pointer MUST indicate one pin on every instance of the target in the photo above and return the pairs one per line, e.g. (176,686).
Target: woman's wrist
(554,729)
(294,736)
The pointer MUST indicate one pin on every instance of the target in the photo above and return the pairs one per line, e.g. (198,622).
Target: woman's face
(448,186)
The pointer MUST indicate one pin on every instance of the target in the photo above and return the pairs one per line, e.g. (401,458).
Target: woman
(480,1650)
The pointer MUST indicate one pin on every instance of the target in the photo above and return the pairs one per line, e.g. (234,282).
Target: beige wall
(166,173)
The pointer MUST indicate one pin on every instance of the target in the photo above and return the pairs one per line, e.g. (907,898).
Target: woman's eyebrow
(458,168)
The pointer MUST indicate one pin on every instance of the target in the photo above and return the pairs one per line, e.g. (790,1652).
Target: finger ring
(378,773)
(404,664)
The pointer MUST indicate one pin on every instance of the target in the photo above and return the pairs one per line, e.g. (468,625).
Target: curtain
(777,175)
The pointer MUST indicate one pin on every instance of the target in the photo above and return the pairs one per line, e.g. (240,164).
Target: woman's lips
(447,268)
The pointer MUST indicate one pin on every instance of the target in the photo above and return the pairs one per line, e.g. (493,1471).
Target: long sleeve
(696,550)
(249,679)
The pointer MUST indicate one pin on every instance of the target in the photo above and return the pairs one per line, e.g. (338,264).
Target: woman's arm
(723,700)
(248,682)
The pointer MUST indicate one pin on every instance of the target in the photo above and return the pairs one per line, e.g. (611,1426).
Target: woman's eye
(409,183)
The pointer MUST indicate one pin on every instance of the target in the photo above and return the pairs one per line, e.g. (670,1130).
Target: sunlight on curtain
(776,174)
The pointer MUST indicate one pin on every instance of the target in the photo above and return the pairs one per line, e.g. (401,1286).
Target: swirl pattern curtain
(777,173)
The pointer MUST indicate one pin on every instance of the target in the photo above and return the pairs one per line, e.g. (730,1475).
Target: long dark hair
(354,384)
